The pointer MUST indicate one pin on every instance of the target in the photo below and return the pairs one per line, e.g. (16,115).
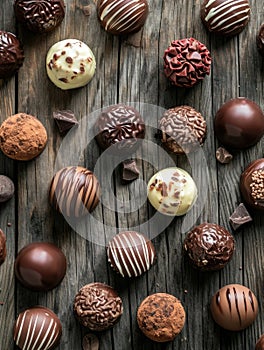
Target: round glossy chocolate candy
(122,16)
(11,54)
(37,328)
(40,266)
(40,16)
(209,247)
(252,184)
(74,191)
(130,253)
(234,307)
(97,306)
(239,123)
(225,17)
(2,247)
(260,40)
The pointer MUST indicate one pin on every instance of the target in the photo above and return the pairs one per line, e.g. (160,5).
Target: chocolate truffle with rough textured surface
(130,253)
(7,188)
(2,247)
(183,129)
(122,16)
(234,307)
(37,328)
(40,16)
(40,266)
(239,123)
(74,191)
(121,127)
(260,40)
(186,62)
(252,184)
(11,54)
(161,317)
(225,17)
(97,306)
(209,247)
(260,343)
(22,137)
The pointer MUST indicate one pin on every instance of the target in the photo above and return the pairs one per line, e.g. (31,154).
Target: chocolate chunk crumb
(240,217)
(223,156)
(65,120)
(130,171)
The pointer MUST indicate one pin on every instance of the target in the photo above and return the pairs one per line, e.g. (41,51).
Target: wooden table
(129,73)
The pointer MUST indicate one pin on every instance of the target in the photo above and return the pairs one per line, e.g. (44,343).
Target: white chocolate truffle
(172,191)
(70,64)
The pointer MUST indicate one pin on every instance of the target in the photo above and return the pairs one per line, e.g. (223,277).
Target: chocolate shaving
(90,342)
(240,217)
(223,156)
(130,171)
(65,120)
(87,10)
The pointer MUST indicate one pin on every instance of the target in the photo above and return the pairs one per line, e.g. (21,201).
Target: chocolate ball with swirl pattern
(11,54)
(74,191)
(186,62)
(209,247)
(120,127)
(97,306)
(40,16)
(182,129)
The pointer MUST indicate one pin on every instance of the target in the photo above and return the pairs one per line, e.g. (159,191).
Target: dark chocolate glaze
(40,16)
(260,40)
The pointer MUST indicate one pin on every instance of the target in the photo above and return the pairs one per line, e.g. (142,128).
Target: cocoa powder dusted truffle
(130,253)
(2,247)
(225,17)
(186,62)
(161,317)
(252,184)
(37,328)
(40,16)
(22,137)
(97,306)
(234,307)
(11,54)
(183,129)
(209,247)
(260,40)
(122,16)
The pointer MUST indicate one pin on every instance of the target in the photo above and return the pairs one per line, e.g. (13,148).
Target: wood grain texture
(129,70)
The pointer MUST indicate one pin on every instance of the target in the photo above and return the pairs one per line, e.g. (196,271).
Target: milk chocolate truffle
(70,64)
(260,40)
(130,253)
(239,123)
(22,137)
(40,16)
(186,62)
(172,191)
(40,266)
(234,307)
(2,247)
(225,17)
(74,191)
(122,16)
(252,184)
(37,328)
(209,247)
(11,54)
(7,188)
(183,129)
(161,317)
(121,127)
(260,343)
(97,306)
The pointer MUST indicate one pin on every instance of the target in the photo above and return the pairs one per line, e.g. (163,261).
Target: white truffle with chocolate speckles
(172,191)
(70,64)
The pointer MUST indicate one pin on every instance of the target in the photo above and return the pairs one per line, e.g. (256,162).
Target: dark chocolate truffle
(225,17)
(97,306)
(74,191)
(252,184)
(40,16)
(11,54)
(209,247)
(7,188)
(40,266)
(186,62)
(120,126)
(130,253)
(234,307)
(183,129)
(2,247)
(260,343)
(37,328)
(161,317)
(122,16)
(239,123)
(260,40)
